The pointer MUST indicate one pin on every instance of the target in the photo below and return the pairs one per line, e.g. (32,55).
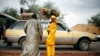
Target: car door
(44,25)
(62,35)
(14,32)
(7,21)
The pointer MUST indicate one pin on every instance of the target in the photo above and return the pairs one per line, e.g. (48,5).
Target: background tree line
(33,7)
(95,20)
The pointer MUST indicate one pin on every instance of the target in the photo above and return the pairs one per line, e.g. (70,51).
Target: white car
(64,36)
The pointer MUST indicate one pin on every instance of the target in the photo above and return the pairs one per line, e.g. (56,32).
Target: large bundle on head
(54,12)
(45,11)
(48,13)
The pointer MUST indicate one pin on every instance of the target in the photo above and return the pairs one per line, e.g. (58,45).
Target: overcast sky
(77,11)
(9,3)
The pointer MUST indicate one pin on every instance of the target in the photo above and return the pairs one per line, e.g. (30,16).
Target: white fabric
(34,33)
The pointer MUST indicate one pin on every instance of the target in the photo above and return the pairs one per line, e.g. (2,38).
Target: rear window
(18,25)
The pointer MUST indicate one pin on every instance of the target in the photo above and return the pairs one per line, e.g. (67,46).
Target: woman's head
(53,18)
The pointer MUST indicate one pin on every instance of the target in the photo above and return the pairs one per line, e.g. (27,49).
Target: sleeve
(40,30)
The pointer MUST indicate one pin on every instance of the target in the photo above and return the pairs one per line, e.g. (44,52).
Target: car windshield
(20,25)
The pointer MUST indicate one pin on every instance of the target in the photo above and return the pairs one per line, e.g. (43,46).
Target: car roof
(42,21)
(39,20)
(47,21)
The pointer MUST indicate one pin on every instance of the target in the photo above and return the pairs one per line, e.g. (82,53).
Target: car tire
(22,42)
(84,44)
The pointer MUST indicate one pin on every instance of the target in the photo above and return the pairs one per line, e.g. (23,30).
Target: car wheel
(22,42)
(84,44)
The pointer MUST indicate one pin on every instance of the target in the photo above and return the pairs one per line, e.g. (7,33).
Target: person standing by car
(34,34)
(1,30)
(50,42)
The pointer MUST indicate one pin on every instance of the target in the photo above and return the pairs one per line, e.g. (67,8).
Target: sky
(76,11)
(9,3)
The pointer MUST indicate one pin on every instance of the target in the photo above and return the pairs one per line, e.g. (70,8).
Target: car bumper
(98,38)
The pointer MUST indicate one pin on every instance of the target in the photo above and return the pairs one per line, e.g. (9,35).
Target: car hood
(85,34)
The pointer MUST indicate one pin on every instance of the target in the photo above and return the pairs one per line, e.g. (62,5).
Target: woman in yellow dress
(50,42)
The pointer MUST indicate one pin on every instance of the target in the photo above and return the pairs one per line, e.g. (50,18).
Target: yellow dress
(50,42)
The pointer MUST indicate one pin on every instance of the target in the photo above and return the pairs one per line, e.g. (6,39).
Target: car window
(44,25)
(6,21)
(60,27)
(18,25)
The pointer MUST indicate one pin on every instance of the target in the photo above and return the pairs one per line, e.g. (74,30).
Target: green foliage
(34,8)
(23,2)
(31,5)
(95,20)
(12,12)
(50,5)
(27,2)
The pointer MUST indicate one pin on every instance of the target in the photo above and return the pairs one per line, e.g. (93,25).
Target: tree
(31,4)
(22,2)
(27,2)
(50,8)
(95,20)
(12,12)
(50,5)
(34,8)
